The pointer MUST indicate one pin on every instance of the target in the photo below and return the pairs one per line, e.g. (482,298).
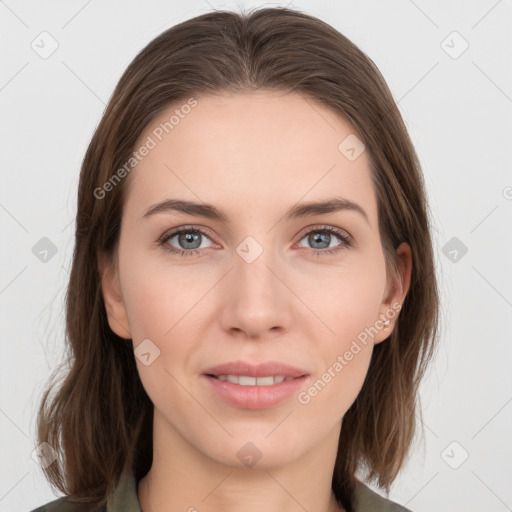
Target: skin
(252,155)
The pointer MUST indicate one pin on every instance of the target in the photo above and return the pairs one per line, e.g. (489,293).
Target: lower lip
(255,397)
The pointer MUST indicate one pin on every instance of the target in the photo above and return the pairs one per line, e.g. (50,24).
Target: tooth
(265,381)
(246,381)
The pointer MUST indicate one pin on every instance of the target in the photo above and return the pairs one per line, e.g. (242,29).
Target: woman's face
(254,277)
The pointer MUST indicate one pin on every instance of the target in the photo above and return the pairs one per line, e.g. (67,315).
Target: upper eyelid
(176,231)
(332,229)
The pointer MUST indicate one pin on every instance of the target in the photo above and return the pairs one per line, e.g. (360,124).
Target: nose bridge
(252,269)
(256,300)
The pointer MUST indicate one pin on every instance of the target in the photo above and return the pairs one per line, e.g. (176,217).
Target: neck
(182,478)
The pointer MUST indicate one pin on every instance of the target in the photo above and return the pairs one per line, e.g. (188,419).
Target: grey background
(458,109)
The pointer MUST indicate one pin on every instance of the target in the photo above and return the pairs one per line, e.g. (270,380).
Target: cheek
(331,393)
(157,293)
(158,305)
(346,299)
(161,301)
(348,304)
(345,353)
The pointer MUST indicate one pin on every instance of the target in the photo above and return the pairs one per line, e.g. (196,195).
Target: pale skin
(253,156)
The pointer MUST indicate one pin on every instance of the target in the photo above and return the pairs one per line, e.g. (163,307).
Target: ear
(112,297)
(398,288)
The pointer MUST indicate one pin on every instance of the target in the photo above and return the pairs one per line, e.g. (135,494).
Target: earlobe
(112,297)
(399,288)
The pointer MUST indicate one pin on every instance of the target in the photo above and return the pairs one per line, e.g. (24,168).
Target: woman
(252,301)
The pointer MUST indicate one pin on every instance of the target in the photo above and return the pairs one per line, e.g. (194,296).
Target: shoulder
(123,499)
(64,505)
(367,500)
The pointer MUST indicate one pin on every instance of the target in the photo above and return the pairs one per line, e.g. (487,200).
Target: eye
(321,240)
(190,240)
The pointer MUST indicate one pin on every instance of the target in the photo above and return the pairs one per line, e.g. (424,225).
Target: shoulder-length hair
(99,420)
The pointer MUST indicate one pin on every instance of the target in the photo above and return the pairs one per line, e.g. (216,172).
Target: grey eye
(188,239)
(321,239)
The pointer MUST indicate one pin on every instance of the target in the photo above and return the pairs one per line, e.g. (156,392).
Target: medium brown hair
(99,420)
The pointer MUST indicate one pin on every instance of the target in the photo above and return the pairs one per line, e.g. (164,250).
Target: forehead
(259,148)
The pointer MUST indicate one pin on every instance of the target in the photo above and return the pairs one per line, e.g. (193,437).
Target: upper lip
(259,370)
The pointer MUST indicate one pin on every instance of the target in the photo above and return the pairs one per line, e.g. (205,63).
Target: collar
(124,498)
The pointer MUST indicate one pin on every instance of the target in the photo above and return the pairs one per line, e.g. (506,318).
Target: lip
(255,397)
(259,370)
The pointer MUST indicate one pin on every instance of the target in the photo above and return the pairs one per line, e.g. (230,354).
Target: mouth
(246,372)
(248,380)
(253,392)
(254,386)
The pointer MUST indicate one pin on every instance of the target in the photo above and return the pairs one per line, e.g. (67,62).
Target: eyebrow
(299,210)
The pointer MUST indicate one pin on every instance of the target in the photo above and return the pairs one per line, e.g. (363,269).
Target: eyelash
(346,240)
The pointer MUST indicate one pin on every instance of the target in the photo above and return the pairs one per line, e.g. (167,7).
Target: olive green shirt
(124,499)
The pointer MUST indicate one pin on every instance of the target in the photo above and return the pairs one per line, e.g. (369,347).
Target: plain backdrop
(448,64)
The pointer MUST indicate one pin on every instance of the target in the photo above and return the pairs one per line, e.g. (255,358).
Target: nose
(256,301)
